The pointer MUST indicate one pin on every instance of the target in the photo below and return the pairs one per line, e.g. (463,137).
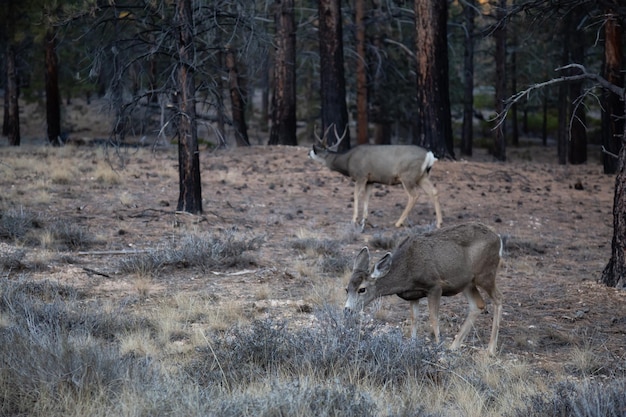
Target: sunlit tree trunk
(190,197)
(612,106)
(283,129)
(434,123)
(333,84)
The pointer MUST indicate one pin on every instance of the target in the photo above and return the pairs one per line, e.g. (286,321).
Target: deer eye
(346,290)
(361,290)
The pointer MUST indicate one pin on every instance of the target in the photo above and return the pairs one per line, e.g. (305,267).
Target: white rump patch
(429,161)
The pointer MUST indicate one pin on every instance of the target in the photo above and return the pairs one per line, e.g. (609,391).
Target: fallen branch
(112,252)
(93,271)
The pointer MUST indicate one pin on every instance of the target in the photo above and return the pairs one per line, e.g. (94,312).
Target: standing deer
(444,262)
(408,165)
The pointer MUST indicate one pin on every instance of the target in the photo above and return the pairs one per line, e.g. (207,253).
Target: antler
(323,141)
(339,138)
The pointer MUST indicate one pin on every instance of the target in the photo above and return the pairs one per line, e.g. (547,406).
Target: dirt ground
(556,220)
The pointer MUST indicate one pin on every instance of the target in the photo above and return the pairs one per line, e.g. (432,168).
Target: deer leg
(496,297)
(414,311)
(358,190)
(409,206)
(430,189)
(366,199)
(434,297)
(476,304)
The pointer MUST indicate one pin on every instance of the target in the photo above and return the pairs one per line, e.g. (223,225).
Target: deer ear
(362,261)
(383,266)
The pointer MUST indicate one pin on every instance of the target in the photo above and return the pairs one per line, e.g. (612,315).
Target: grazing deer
(408,165)
(444,262)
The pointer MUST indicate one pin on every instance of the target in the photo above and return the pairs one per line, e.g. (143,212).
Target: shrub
(223,250)
(337,348)
(52,354)
(71,235)
(12,260)
(588,399)
(16,224)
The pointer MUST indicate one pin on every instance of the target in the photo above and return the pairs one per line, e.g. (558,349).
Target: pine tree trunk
(12,92)
(612,105)
(513,77)
(53,99)
(237,100)
(614,274)
(190,196)
(283,129)
(434,123)
(333,84)
(361,74)
(467,130)
(499,146)
(577,115)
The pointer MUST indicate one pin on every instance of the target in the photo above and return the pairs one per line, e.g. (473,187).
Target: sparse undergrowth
(64,355)
(227,249)
(34,229)
(246,321)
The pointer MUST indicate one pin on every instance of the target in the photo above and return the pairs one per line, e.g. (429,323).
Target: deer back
(386,164)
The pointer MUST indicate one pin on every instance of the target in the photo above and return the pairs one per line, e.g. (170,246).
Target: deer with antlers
(408,165)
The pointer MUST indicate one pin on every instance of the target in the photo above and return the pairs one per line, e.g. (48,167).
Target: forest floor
(556,221)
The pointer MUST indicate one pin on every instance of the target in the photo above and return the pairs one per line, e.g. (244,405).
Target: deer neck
(339,162)
(400,284)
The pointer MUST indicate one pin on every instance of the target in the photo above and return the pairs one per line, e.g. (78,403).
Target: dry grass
(239,311)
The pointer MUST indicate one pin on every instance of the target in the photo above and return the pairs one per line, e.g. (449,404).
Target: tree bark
(378,94)
(219,94)
(612,106)
(513,77)
(499,145)
(614,273)
(190,196)
(544,119)
(12,92)
(562,142)
(577,115)
(283,129)
(53,99)
(434,122)
(237,100)
(333,84)
(467,130)
(361,74)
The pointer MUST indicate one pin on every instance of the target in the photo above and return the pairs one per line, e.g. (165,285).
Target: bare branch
(584,75)
(606,151)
